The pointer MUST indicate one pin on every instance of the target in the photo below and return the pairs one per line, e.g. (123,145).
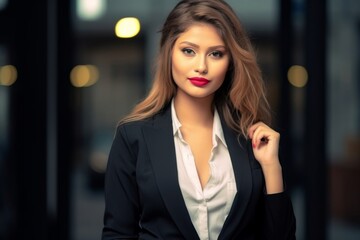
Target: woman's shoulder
(135,125)
(132,125)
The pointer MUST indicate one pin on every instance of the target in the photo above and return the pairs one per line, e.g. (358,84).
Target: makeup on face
(199,61)
(199,81)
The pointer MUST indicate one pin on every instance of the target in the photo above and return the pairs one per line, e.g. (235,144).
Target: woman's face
(200,61)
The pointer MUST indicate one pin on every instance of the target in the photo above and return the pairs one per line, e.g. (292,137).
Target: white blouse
(208,207)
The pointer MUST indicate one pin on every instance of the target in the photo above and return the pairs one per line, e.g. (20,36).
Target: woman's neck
(194,111)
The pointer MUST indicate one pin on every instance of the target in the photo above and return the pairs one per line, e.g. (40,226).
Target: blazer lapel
(161,147)
(242,170)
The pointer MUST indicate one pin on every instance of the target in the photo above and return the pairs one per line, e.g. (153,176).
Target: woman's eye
(217,54)
(187,51)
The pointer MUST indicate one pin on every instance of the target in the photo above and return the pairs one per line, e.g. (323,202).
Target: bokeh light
(127,27)
(84,75)
(8,75)
(297,76)
(90,9)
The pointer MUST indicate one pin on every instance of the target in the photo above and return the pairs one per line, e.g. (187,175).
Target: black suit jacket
(144,200)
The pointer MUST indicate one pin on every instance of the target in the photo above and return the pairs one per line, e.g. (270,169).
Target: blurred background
(70,69)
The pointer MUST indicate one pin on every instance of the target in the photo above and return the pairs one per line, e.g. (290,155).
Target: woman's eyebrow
(197,46)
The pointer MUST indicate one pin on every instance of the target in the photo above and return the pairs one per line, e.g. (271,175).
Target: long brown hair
(241,99)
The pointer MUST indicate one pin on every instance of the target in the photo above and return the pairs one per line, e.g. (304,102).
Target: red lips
(199,81)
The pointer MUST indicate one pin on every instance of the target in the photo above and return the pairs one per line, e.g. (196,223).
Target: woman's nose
(201,67)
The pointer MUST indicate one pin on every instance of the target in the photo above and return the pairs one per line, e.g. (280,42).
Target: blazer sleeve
(121,218)
(280,223)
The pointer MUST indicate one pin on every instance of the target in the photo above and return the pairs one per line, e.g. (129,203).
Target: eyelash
(218,53)
(187,51)
(215,54)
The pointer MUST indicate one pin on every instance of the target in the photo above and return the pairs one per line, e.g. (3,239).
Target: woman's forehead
(199,33)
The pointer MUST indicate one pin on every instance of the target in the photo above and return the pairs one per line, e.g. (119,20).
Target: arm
(279,219)
(121,218)
(265,142)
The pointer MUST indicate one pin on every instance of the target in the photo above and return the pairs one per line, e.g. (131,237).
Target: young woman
(196,158)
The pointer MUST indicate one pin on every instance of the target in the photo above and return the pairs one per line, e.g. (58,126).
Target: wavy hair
(241,99)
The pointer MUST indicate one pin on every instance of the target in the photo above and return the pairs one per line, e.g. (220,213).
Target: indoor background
(71,69)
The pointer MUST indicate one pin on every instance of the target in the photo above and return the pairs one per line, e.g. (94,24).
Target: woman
(195,159)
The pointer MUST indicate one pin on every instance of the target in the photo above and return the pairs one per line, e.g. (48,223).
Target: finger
(252,129)
(259,136)
(266,136)
(263,135)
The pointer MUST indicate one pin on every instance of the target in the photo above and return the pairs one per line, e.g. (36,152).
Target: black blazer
(144,200)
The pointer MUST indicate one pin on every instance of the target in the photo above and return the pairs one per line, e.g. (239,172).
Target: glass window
(3,4)
(343,107)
